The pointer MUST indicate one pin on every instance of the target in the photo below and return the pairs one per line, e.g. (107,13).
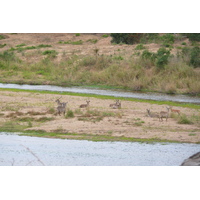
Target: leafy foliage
(193,36)
(162,57)
(127,38)
(195,57)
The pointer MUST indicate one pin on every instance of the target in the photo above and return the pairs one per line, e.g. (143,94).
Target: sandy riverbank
(131,120)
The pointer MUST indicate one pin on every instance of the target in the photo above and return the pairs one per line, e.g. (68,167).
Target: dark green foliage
(149,37)
(193,36)
(118,58)
(162,57)
(2,37)
(21,45)
(167,38)
(159,59)
(127,38)
(148,55)
(2,45)
(2,66)
(139,47)
(43,45)
(69,114)
(184,120)
(195,57)
(49,52)
(7,56)
(105,35)
(193,54)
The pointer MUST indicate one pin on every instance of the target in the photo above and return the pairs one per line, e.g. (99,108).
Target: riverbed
(32,151)
(115,93)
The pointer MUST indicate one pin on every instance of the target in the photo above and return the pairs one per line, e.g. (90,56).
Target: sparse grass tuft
(183,119)
(69,114)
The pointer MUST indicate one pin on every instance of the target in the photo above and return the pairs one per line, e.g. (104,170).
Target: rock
(193,160)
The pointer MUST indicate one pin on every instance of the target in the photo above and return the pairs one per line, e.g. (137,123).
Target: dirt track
(129,121)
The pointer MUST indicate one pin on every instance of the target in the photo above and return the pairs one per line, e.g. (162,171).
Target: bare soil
(129,121)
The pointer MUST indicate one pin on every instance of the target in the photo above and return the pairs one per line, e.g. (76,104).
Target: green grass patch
(79,42)
(184,120)
(140,47)
(105,36)
(50,52)
(94,41)
(192,134)
(95,138)
(2,45)
(69,114)
(21,45)
(12,126)
(2,37)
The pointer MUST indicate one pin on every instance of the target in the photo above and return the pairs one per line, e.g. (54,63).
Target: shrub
(118,58)
(21,45)
(2,45)
(195,57)
(43,45)
(193,36)
(7,55)
(2,37)
(148,55)
(162,57)
(105,36)
(69,114)
(184,120)
(49,52)
(167,38)
(149,38)
(127,38)
(139,47)
(77,34)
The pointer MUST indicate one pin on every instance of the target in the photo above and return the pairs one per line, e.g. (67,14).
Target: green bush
(193,36)
(195,57)
(162,57)
(2,37)
(7,56)
(139,47)
(127,38)
(43,45)
(149,37)
(105,36)
(21,45)
(167,38)
(184,120)
(49,52)
(69,114)
(2,45)
(148,55)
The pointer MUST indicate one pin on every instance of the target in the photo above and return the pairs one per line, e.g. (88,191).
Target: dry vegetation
(91,59)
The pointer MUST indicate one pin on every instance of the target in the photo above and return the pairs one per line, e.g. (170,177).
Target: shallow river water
(115,93)
(63,152)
